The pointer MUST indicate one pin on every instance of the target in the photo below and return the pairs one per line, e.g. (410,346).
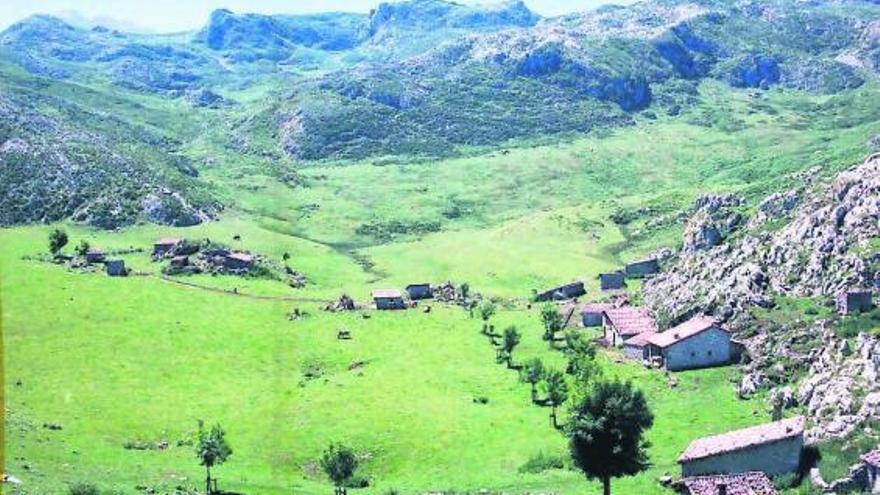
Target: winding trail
(228,292)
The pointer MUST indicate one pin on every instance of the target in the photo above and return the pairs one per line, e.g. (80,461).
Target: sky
(180,15)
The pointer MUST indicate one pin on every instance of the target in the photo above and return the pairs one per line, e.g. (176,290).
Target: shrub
(542,462)
(84,489)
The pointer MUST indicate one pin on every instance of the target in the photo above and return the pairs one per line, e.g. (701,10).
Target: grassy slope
(137,359)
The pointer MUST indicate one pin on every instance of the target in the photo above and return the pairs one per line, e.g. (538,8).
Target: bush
(357,481)
(542,462)
(84,489)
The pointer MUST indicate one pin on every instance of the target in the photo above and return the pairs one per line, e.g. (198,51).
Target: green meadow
(137,361)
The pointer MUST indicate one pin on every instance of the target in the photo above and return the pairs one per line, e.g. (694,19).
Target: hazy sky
(180,15)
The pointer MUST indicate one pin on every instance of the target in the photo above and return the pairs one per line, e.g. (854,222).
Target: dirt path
(229,292)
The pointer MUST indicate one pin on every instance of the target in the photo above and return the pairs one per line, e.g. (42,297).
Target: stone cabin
(752,483)
(591,314)
(636,347)
(94,255)
(612,281)
(854,302)
(238,261)
(563,292)
(165,245)
(642,268)
(622,324)
(419,291)
(115,268)
(696,343)
(772,448)
(388,299)
(871,461)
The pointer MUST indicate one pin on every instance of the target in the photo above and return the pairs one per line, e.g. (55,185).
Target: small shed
(643,268)
(238,261)
(115,268)
(94,255)
(388,299)
(772,448)
(854,302)
(165,245)
(871,460)
(591,314)
(622,324)
(751,483)
(419,291)
(637,347)
(563,292)
(696,343)
(612,281)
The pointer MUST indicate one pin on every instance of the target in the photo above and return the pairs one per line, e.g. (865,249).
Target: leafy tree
(557,392)
(57,241)
(212,450)
(486,309)
(511,340)
(582,362)
(340,463)
(551,319)
(534,373)
(605,432)
(464,290)
(83,247)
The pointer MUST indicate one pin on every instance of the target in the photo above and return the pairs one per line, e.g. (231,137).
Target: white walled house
(696,343)
(772,448)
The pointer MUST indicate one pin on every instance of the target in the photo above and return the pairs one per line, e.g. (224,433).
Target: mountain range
(425,78)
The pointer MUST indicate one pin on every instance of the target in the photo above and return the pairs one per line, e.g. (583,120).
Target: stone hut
(238,261)
(388,299)
(94,255)
(696,343)
(752,483)
(115,268)
(637,347)
(591,314)
(612,281)
(622,324)
(563,292)
(871,461)
(419,291)
(165,245)
(773,448)
(854,302)
(642,268)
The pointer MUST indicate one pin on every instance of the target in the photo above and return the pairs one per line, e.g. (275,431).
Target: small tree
(534,373)
(582,362)
(605,432)
(340,463)
(511,340)
(551,319)
(212,450)
(83,247)
(486,310)
(57,241)
(464,290)
(557,392)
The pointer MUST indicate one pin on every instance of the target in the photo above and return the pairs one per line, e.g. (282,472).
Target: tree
(534,373)
(511,340)
(83,247)
(605,432)
(582,362)
(340,463)
(486,310)
(212,450)
(464,290)
(57,241)
(551,319)
(557,392)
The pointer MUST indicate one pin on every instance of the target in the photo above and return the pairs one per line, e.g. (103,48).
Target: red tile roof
(872,458)
(686,330)
(596,307)
(640,340)
(631,321)
(386,293)
(743,439)
(754,483)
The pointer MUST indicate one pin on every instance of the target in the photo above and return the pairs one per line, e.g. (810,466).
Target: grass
(137,359)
